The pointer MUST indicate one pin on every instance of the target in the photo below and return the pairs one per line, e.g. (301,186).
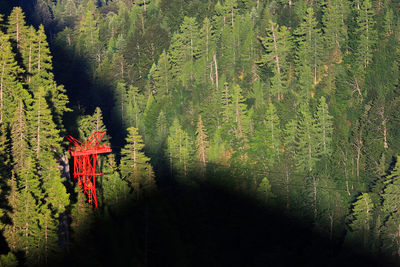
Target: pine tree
(207,47)
(120,101)
(264,190)
(133,161)
(184,48)
(391,196)
(324,129)
(239,123)
(135,103)
(278,45)
(150,116)
(89,32)
(10,88)
(161,75)
(179,149)
(45,141)
(361,220)
(16,26)
(367,34)
(310,44)
(201,143)
(25,191)
(42,59)
(306,143)
(335,29)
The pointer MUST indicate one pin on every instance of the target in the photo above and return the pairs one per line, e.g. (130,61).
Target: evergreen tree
(179,149)
(264,191)
(114,189)
(16,26)
(10,88)
(266,143)
(367,34)
(162,76)
(133,161)
(335,29)
(361,221)
(310,44)
(201,143)
(278,45)
(306,143)
(324,129)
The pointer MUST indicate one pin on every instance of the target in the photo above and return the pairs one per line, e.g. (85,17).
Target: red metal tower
(85,159)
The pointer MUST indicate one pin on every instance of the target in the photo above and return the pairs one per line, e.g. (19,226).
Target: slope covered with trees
(293,102)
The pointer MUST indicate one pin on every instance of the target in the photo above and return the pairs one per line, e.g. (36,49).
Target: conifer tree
(335,29)
(45,141)
(324,129)
(133,161)
(41,58)
(89,32)
(310,44)
(267,141)
(10,88)
(150,116)
(179,149)
(162,76)
(201,143)
(207,47)
(361,220)
(184,48)
(239,121)
(306,146)
(26,191)
(264,190)
(17,26)
(114,189)
(367,34)
(277,45)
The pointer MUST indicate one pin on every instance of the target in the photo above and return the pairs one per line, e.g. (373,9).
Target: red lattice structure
(85,160)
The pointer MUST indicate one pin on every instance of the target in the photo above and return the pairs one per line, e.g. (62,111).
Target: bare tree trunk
(216,70)
(38,127)
(315,197)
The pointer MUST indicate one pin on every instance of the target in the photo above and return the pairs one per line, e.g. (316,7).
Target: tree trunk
(216,70)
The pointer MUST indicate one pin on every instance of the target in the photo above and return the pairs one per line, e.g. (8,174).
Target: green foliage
(180,149)
(361,220)
(8,260)
(278,45)
(264,190)
(291,88)
(134,163)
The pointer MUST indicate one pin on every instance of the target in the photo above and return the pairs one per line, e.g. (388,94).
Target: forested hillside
(234,124)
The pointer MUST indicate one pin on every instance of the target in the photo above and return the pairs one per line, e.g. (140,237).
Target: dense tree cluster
(297,100)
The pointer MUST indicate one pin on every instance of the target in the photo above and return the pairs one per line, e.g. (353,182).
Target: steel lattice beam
(85,160)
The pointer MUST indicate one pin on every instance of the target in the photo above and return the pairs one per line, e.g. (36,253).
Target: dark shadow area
(184,224)
(205,225)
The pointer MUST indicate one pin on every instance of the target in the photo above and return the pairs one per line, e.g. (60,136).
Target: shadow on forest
(205,225)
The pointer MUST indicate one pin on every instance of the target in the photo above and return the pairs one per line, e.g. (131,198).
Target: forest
(243,132)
